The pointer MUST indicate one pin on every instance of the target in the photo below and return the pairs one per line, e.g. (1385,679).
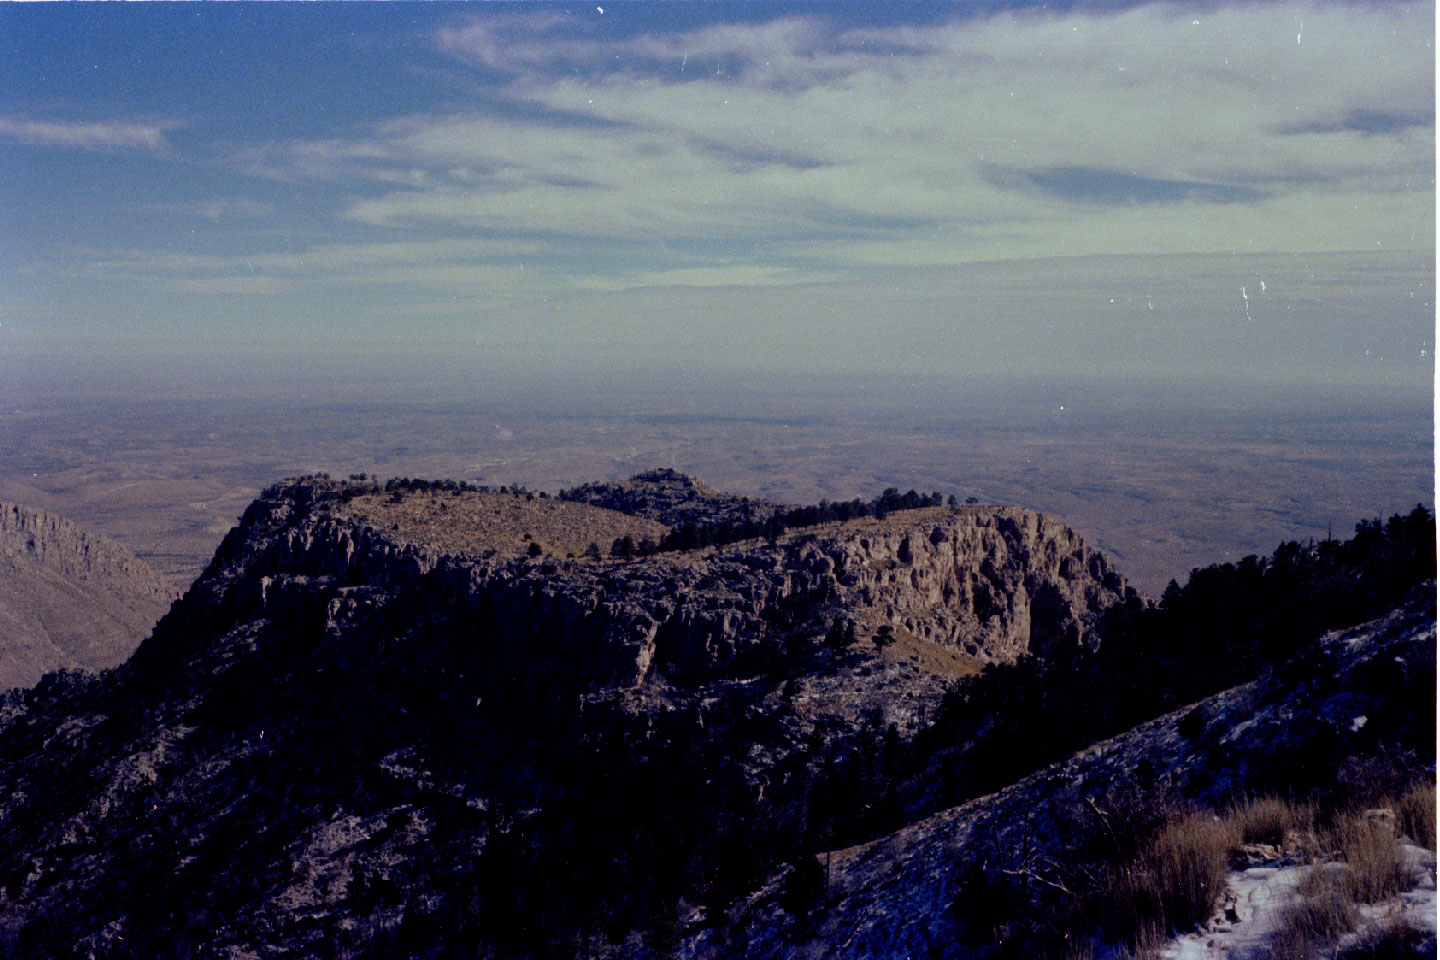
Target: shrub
(1192,725)
(1393,941)
(804,887)
(841,635)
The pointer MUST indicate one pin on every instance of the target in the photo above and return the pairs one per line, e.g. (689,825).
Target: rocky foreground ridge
(68,598)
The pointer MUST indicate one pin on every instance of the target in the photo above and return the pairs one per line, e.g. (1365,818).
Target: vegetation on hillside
(696,536)
(1167,875)
(1230,622)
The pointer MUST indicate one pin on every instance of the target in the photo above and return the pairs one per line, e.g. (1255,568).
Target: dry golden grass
(1179,877)
(1416,810)
(939,659)
(1270,819)
(1175,883)
(1374,866)
(1316,920)
(1371,869)
(475,522)
(1190,859)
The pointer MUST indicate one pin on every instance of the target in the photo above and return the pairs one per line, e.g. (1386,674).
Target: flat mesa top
(477,522)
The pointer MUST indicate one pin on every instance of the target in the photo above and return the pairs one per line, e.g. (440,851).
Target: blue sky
(1101,187)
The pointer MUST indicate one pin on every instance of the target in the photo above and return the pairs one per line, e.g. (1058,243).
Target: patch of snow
(1261,893)
(1236,731)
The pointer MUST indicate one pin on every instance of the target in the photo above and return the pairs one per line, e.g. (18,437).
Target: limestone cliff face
(992,583)
(68,598)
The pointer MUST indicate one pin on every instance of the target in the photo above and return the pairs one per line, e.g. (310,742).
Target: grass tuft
(1173,885)
(1191,857)
(1270,819)
(1374,867)
(1416,809)
(1308,926)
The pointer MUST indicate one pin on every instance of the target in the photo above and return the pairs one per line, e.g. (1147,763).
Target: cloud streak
(101,135)
(1093,185)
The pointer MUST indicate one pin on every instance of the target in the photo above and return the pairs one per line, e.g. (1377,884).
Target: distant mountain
(68,599)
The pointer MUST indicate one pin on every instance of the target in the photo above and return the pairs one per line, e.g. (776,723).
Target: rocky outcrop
(68,599)
(996,583)
(354,737)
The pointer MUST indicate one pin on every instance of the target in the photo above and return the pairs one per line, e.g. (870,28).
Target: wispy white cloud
(232,285)
(980,139)
(98,135)
(516,40)
(794,151)
(463,265)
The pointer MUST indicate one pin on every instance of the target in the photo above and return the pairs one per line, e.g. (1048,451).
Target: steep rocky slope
(1364,693)
(68,599)
(356,736)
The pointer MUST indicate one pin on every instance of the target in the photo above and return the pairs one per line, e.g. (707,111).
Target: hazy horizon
(1167,270)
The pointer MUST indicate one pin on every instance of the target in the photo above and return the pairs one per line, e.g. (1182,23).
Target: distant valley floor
(1160,488)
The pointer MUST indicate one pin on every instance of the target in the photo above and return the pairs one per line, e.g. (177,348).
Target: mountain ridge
(382,724)
(525,695)
(903,893)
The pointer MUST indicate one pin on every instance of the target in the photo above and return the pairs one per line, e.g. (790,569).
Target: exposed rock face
(68,599)
(1359,692)
(994,582)
(341,726)
(672,498)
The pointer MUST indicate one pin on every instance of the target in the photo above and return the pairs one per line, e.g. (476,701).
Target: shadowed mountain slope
(931,888)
